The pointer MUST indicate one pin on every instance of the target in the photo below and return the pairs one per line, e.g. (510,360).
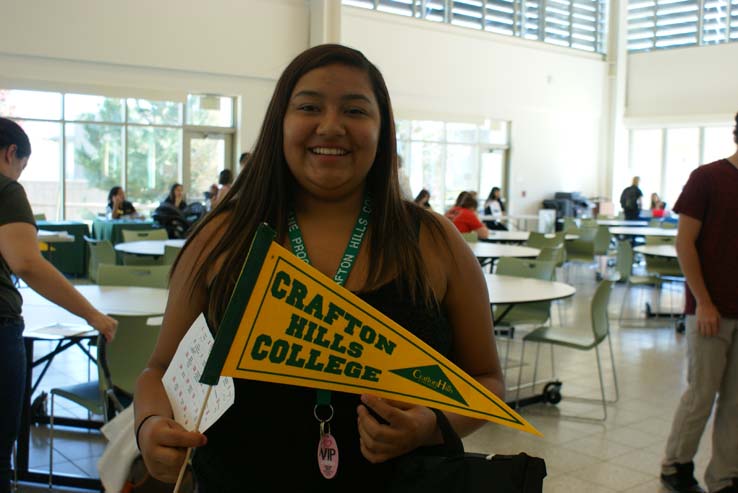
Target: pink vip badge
(327,456)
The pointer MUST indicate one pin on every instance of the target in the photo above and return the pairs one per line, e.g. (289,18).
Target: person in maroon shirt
(707,247)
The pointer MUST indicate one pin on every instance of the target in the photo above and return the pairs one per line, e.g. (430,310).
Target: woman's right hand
(164,444)
(103,324)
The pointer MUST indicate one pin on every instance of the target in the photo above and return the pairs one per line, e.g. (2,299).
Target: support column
(616,136)
(325,21)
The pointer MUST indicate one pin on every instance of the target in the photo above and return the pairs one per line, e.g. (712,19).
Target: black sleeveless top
(268,440)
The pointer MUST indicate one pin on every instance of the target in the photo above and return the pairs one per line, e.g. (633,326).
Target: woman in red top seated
(658,208)
(465,218)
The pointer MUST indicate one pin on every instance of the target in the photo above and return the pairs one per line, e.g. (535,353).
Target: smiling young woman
(324,165)
(331,130)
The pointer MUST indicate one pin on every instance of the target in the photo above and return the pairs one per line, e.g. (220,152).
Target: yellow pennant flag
(301,328)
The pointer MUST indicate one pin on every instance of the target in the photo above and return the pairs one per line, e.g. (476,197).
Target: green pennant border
(473,384)
(237,304)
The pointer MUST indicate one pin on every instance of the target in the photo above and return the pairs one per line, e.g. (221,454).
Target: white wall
(236,48)
(698,84)
(554,97)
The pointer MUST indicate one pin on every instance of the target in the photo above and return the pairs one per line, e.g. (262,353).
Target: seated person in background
(243,160)
(465,217)
(658,208)
(495,206)
(176,197)
(210,196)
(118,206)
(451,213)
(225,180)
(423,199)
(175,215)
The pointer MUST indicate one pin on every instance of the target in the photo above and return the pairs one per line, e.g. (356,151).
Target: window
(657,24)
(717,143)
(665,157)
(94,164)
(577,24)
(42,177)
(82,145)
(647,156)
(682,156)
(447,158)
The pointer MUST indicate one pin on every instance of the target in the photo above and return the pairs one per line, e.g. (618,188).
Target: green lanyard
(344,266)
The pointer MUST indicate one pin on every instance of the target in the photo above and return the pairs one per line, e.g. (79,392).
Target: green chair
(669,225)
(654,223)
(154,276)
(41,216)
(588,222)
(666,269)
(555,255)
(170,255)
(144,234)
(119,363)
(602,240)
(525,313)
(582,249)
(624,267)
(471,237)
(101,252)
(540,240)
(660,240)
(570,225)
(133,259)
(580,339)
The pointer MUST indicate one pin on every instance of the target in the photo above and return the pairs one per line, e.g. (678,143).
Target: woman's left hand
(408,427)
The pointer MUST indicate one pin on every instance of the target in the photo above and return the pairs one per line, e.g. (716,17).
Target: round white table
(635,223)
(657,250)
(148,247)
(519,236)
(513,290)
(45,320)
(484,250)
(39,312)
(631,231)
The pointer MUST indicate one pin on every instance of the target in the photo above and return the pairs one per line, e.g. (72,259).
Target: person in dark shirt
(118,206)
(630,200)
(707,247)
(176,197)
(327,151)
(243,160)
(423,199)
(21,256)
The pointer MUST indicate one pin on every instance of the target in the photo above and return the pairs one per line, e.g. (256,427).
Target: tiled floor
(620,454)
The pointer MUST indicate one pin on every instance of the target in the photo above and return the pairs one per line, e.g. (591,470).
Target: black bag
(467,472)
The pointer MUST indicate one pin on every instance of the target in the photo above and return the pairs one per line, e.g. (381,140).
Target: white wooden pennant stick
(189,450)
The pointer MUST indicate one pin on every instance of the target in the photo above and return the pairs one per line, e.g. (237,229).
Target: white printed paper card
(181,381)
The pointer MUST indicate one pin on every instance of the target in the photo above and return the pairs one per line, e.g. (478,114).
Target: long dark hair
(112,193)
(171,196)
(262,193)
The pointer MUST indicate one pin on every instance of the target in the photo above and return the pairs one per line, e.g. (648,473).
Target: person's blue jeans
(12,386)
